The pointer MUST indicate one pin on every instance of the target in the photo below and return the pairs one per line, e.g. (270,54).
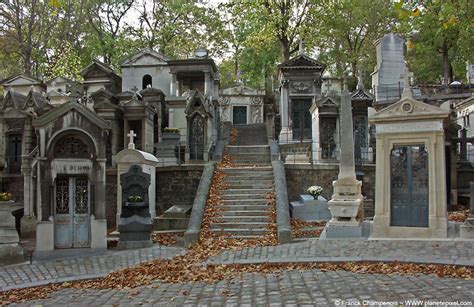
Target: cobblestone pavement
(442,252)
(50,271)
(289,288)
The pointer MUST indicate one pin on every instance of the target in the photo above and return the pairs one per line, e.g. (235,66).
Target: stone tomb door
(72,212)
(239,115)
(409,186)
(301,119)
(196,138)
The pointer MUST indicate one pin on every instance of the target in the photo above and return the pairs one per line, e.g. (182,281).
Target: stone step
(247,225)
(233,180)
(247,169)
(241,232)
(247,185)
(244,207)
(252,162)
(248,202)
(242,218)
(244,196)
(248,149)
(250,176)
(245,191)
(232,212)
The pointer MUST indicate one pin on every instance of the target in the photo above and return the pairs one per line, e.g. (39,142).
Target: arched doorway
(72,190)
(196,138)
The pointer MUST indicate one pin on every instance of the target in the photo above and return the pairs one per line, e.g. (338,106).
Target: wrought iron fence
(322,152)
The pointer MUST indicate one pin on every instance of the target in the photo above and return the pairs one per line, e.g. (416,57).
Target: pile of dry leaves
(167,239)
(460,215)
(305,229)
(233,136)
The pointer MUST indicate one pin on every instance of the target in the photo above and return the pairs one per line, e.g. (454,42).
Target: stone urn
(346,202)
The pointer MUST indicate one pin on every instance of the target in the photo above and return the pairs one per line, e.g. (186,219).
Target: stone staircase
(244,209)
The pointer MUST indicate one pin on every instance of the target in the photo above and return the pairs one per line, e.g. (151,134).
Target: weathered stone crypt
(70,179)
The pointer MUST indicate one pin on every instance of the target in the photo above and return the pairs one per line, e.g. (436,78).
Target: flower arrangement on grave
(135,199)
(6,196)
(171,130)
(315,191)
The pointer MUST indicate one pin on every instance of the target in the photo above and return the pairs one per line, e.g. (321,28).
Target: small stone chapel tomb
(410,188)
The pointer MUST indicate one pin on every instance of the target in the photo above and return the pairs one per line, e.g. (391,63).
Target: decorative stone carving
(256,101)
(71,146)
(301,87)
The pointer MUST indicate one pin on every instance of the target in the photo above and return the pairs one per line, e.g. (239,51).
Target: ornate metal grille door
(72,213)
(326,136)
(301,119)
(239,115)
(409,186)
(196,138)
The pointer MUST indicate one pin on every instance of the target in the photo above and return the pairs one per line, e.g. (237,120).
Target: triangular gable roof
(67,107)
(191,99)
(362,94)
(142,53)
(60,80)
(302,62)
(328,101)
(13,100)
(34,100)
(134,102)
(465,102)
(30,79)
(409,108)
(97,65)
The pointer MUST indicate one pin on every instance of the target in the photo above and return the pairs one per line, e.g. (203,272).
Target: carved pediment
(22,79)
(328,102)
(409,108)
(97,69)
(145,57)
(303,62)
(196,102)
(362,94)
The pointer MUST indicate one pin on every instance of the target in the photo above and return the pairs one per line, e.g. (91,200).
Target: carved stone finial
(344,83)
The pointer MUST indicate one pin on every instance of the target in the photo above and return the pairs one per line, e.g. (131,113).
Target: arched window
(146,81)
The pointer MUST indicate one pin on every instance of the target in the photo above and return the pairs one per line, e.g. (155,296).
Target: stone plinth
(10,251)
(310,209)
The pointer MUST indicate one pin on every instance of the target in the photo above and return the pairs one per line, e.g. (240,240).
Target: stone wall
(301,176)
(176,185)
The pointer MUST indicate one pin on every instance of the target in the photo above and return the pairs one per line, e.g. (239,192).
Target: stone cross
(131,135)
(347,165)
(406,87)
(360,79)
(301,46)
(135,92)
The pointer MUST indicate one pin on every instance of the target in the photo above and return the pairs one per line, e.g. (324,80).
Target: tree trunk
(285,49)
(447,68)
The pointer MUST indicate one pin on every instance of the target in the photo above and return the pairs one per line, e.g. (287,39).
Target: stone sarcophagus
(135,224)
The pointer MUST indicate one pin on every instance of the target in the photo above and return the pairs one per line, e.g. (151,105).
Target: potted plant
(135,201)
(171,135)
(6,197)
(315,191)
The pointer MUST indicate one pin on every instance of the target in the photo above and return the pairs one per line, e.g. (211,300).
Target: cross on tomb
(131,135)
(360,79)
(406,86)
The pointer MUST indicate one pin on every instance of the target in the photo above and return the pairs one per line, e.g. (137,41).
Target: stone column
(207,83)
(28,221)
(173,85)
(285,134)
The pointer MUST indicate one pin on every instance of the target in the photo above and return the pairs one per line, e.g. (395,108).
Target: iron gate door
(239,115)
(196,138)
(301,119)
(72,212)
(409,186)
